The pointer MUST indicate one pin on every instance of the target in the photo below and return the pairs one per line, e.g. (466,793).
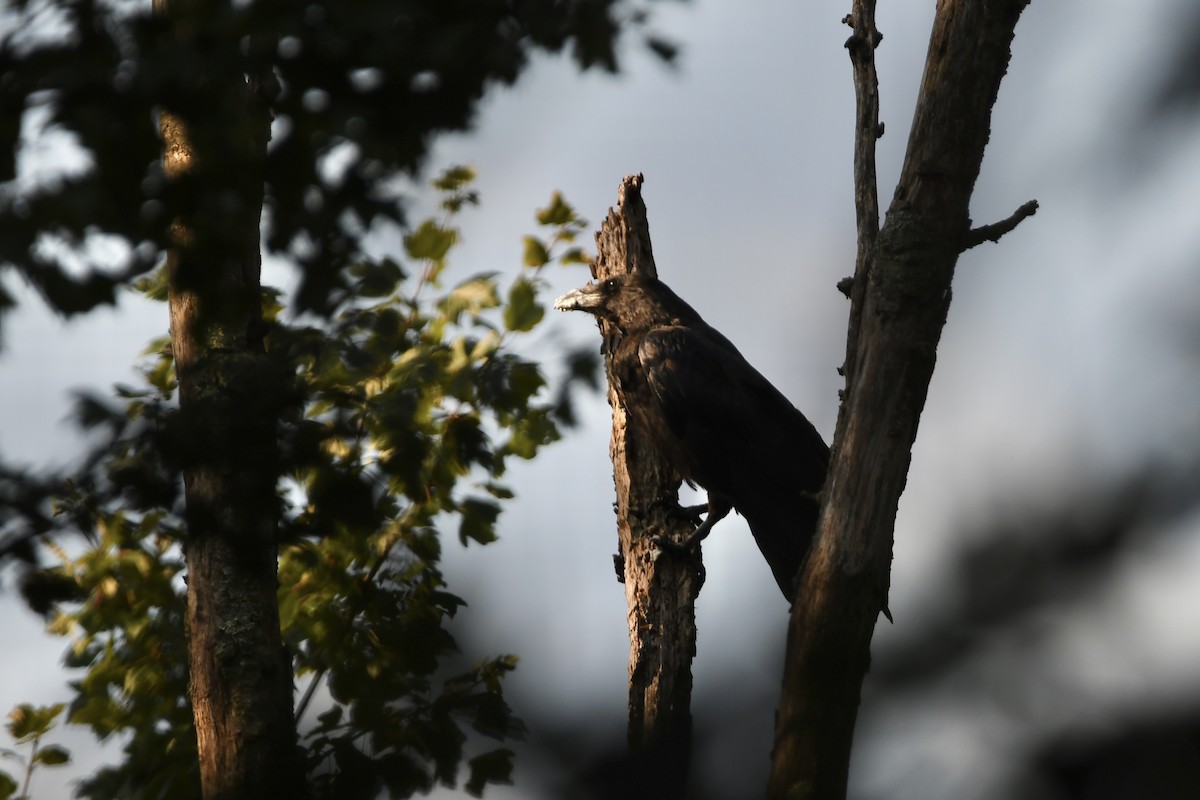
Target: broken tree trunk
(660,588)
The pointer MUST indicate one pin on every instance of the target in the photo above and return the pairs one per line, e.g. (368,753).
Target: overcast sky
(1054,367)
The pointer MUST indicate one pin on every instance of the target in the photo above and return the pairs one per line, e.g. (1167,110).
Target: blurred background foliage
(357,90)
(401,399)
(408,400)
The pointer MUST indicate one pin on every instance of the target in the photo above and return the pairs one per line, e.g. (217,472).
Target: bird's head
(631,301)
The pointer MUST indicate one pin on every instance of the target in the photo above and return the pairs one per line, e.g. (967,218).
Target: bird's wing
(721,408)
(688,377)
(741,438)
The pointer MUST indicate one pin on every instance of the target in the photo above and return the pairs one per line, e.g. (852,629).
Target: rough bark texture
(660,587)
(240,676)
(901,293)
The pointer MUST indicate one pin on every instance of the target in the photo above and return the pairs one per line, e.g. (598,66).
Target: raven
(714,418)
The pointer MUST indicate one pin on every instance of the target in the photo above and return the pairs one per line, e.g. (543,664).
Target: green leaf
(454,178)
(524,380)
(530,433)
(91,411)
(559,212)
(493,718)
(465,443)
(664,49)
(536,254)
(485,347)
(331,718)
(448,602)
(499,491)
(8,786)
(52,756)
(454,202)
(453,184)
(471,296)
(430,241)
(98,711)
(29,722)
(289,606)
(576,255)
(493,767)
(162,376)
(523,311)
(154,285)
(478,520)
(377,278)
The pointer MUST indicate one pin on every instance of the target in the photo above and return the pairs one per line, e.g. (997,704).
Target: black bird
(714,418)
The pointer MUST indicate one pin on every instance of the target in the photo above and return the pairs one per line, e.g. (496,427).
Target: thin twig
(993,232)
(29,767)
(861,46)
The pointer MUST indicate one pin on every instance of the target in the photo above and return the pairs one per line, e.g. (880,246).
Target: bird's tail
(784,532)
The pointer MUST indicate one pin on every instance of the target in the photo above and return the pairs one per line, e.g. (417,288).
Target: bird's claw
(693,514)
(665,542)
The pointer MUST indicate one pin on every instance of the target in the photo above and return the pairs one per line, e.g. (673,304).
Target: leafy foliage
(395,403)
(408,405)
(357,91)
(28,724)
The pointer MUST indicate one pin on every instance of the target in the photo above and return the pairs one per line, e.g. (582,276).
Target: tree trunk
(660,587)
(240,675)
(900,295)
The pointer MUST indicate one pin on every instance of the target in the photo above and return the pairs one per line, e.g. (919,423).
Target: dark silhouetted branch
(867,130)
(993,232)
(900,298)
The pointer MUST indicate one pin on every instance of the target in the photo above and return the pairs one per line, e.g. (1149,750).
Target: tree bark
(660,587)
(240,675)
(900,296)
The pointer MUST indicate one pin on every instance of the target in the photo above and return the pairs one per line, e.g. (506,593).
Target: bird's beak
(585,298)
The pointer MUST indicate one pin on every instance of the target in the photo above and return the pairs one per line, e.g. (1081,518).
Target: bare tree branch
(892,344)
(867,130)
(993,232)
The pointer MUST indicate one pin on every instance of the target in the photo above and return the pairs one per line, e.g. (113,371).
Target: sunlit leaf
(558,212)
(471,296)
(454,178)
(430,241)
(154,285)
(575,255)
(27,721)
(536,254)
(523,312)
